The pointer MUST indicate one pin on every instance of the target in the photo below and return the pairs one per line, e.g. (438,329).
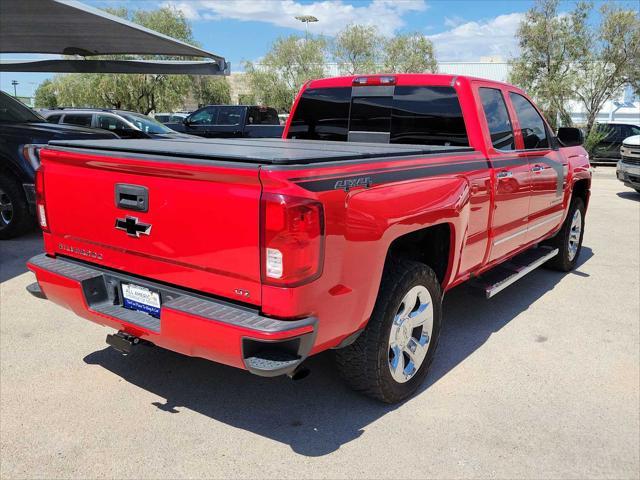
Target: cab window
(206,116)
(427,115)
(53,118)
(82,119)
(532,127)
(322,114)
(495,111)
(109,122)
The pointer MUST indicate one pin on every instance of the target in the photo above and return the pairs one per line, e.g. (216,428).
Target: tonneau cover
(259,150)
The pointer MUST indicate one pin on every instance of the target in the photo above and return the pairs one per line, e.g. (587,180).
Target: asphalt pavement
(541,381)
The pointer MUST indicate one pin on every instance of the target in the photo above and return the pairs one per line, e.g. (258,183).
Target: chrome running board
(503,275)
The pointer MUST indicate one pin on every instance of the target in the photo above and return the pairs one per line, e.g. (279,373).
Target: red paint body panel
(180,332)
(201,239)
(206,223)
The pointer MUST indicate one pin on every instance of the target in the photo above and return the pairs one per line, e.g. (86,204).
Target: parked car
(175,117)
(259,253)
(22,131)
(231,121)
(608,149)
(121,122)
(628,170)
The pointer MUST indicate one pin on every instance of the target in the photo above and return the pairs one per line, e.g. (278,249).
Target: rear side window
(427,115)
(53,118)
(322,114)
(534,132)
(263,116)
(82,120)
(495,111)
(228,116)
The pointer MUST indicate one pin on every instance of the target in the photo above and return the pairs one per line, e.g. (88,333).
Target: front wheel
(390,359)
(569,238)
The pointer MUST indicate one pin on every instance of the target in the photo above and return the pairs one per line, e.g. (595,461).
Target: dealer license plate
(141,299)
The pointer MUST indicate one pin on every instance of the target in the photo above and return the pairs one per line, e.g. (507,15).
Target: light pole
(306,19)
(15,91)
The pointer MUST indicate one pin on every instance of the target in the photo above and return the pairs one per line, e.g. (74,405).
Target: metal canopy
(67,27)
(114,66)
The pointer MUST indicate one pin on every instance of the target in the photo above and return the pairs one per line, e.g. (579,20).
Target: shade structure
(114,66)
(67,27)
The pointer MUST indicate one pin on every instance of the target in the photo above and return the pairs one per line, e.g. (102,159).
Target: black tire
(564,261)
(365,363)
(16,220)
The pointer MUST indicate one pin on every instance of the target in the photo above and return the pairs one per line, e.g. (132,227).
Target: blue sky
(239,30)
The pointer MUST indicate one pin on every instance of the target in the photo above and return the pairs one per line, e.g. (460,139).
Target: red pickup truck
(386,192)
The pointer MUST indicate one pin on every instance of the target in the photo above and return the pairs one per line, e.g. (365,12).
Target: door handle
(504,174)
(537,168)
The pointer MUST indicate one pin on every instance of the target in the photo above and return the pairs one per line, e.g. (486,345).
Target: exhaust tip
(299,373)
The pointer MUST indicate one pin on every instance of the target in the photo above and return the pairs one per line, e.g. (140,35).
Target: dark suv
(21,131)
(608,149)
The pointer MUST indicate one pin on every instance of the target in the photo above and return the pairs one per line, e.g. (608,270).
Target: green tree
(45,95)
(138,92)
(612,60)
(550,47)
(290,63)
(211,90)
(410,53)
(357,49)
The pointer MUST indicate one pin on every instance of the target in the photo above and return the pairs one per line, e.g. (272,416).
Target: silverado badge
(132,226)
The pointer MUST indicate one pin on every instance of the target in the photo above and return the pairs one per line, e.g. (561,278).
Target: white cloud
(333,15)
(471,40)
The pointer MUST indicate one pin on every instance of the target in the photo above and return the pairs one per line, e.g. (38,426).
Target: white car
(628,170)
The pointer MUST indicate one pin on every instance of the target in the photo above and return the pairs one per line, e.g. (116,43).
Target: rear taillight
(292,240)
(40,205)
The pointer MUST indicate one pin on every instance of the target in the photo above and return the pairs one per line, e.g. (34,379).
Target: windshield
(11,110)
(146,124)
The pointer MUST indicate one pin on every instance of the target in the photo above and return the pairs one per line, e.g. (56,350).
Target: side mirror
(570,136)
(186,122)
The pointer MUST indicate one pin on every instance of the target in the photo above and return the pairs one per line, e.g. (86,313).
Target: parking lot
(542,381)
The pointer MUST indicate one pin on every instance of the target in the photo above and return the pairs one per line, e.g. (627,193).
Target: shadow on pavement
(319,414)
(14,254)
(629,195)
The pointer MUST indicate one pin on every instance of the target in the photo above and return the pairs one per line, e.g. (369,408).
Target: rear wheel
(390,359)
(14,211)
(569,238)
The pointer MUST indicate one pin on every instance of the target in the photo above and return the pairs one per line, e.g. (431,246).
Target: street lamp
(15,91)
(306,19)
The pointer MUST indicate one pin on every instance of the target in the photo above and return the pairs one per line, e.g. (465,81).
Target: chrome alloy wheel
(410,334)
(6,209)
(574,234)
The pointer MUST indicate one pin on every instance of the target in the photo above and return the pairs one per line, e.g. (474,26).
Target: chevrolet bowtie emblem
(132,226)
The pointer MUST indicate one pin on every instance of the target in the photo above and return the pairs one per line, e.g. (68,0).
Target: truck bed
(260,151)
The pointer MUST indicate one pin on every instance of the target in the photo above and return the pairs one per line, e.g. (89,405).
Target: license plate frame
(141,299)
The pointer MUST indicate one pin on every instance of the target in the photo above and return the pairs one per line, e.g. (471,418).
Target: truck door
(547,165)
(201,121)
(228,122)
(512,176)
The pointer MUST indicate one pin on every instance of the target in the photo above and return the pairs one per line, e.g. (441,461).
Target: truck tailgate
(199,230)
